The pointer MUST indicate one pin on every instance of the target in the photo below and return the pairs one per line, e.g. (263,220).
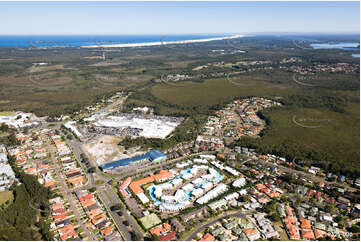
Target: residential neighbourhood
(203,190)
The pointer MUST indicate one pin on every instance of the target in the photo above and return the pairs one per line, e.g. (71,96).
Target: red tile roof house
(59,211)
(168,237)
(160,229)
(207,237)
(67,232)
(106,231)
(320,234)
(305,223)
(292,228)
(59,217)
(289,211)
(310,192)
(307,234)
(86,197)
(318,195)
(124,185)
(293,232)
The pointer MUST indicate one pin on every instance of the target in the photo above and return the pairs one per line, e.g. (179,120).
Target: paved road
(204,226)
(124,230)
(114,197)
(68,194)
(114,104)
(125,213)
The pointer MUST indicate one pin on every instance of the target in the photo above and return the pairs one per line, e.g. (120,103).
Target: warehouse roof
(150,155)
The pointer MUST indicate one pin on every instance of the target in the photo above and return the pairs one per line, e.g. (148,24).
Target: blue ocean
(83,40)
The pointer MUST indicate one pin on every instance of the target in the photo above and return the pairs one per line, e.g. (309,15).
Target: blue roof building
(152,155)
(341,178)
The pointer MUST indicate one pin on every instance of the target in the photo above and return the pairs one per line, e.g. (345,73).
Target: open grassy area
(213,91)
(6,113)
(6,197)
(150,221)
(99,182)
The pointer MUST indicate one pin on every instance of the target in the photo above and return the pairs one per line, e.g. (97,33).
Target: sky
(112,18)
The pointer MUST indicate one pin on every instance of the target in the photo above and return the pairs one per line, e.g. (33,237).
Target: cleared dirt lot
(104,149)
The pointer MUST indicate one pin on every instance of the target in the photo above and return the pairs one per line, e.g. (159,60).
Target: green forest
(20,222)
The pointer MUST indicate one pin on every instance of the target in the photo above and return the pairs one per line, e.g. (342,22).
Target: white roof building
(158,191)
(207,186)
(232,196)
(219,189)
(218,204)
(174,207)
(327,218)
(7,176)
(183,164)
(194,170)
(165,186)
(72,126)
(143,198)
(217,164)
(197,181)
(197,192)
(179,195)
(3,158)
(208,157)
(176,182)
(234,172)
(242,192)
(187,176)
(239,182)
(201,161)
(168,199)
(188,187)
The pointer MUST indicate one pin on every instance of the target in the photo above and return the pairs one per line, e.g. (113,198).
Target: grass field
(99,182)
(6,196)
(214,91)
(6,113)
(150,221)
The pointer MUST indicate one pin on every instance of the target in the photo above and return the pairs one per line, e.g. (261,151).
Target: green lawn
(6,196)
(6,113)
(150,221)
(99,182)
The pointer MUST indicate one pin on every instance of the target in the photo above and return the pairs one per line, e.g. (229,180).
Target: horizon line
(97,34)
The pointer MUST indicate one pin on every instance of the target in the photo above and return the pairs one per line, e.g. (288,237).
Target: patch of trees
(290,149)
(9,140)
(18,221)
(116,207)
(4,127)
(333,103)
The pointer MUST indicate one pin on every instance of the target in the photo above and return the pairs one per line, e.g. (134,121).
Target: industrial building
(152,156)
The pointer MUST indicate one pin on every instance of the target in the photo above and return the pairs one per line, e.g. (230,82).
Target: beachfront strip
(164,42)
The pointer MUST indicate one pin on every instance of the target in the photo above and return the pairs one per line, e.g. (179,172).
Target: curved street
(204,226)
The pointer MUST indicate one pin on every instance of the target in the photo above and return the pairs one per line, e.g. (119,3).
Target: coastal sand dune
(163,42)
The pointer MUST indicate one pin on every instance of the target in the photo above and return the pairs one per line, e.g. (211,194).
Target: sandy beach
(163,42)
